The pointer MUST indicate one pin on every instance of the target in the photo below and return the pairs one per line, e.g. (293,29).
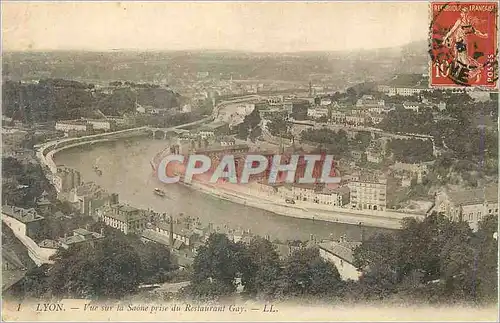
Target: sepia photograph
(250,161)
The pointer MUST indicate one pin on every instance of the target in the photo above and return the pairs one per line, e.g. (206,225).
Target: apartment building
(368,193)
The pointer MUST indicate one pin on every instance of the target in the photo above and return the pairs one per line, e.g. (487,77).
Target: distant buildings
(125,218)
(469,205)
(66,179)
(406,85)
(316,113)
(313,193)
(85,125)
(79,237)
(90,196)
(368,193)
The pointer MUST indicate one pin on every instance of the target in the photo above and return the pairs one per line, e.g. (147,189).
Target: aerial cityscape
(412,219)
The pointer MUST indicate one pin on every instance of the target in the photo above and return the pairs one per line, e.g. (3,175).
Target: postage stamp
(249,161)
(463,44)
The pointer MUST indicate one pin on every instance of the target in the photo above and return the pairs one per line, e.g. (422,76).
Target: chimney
(267,237)
(210,227)
(171,233)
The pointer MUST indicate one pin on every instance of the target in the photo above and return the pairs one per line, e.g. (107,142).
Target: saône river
(126,170)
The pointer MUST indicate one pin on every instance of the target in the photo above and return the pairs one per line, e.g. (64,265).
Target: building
(66,179)
(102,124)
(22,221)
(180,235)
(338,117)
(355,120)
(368,193)
(406,85)
(316,113)
(227,141)
(275,100)
(127,219)
(368,101)
(73,125)
(151,235)
(90,196)
(325,101)
(468,205)
(414,106)
(340,253)
(79,237)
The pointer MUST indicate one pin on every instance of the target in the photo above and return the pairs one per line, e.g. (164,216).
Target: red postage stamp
(464,44)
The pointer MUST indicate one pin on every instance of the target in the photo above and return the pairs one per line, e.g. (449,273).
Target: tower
(310,89)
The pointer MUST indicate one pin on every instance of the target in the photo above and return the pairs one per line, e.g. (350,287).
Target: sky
(249,26)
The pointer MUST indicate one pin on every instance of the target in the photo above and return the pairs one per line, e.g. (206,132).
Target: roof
(178,244)
(51,244)
(123,213)
(81,235)
(343,250)
(154,236)
(223,148)
(476,196)
(89,189)
(20,214)
(178,229)
(82,232)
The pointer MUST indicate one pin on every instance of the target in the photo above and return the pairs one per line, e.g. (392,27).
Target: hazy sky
(254,26)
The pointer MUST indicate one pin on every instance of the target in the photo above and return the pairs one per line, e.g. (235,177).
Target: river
(126,170)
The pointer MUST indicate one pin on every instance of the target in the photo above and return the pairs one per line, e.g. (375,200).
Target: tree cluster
(250,127)
(411,150)
(57,99)
(108,268)
(433,260)
(261,272)
(22,183)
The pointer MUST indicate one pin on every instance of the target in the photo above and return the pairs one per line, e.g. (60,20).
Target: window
(470,216)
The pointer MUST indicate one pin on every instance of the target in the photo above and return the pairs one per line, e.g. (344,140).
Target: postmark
(463,44)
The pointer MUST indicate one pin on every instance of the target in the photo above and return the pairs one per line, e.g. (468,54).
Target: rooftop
(178,229)
(89,189)
(22,215)
(476,196)
(154,236)
(343,250)
(223,148)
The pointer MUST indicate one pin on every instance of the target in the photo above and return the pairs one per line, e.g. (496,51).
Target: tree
(108,269)
(260,267)
(306,273)
(486,261)
(215,263)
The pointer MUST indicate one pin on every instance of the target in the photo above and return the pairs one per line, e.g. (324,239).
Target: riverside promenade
(250,196)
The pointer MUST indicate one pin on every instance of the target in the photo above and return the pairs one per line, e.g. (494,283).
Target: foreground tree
(215,268)
(108,269)
(305,273)
(260,268)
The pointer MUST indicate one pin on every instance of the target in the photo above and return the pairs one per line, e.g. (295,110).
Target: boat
(159,192)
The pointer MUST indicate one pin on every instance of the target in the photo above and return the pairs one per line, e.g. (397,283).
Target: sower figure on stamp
(464,27)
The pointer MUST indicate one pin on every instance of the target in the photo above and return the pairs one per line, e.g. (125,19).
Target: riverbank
(303,210)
